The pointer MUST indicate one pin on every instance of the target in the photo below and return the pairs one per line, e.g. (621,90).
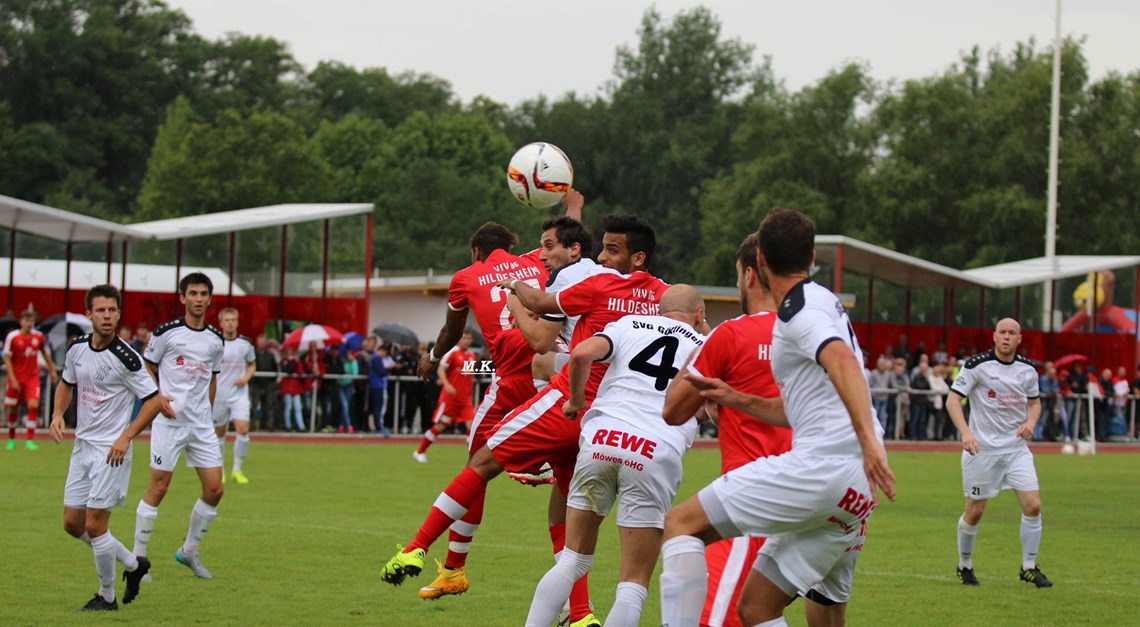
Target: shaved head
(1007,337)
(682,298)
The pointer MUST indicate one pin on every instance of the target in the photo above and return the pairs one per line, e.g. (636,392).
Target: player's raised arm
(540,334)
(532,297)
(846,375)
(581,358)
(449,334)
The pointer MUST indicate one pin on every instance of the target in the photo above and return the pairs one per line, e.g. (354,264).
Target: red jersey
(601,299)
(460,367)
(24,350)
(738,352)
(476,287)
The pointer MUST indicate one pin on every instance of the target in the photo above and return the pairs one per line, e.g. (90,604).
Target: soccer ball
(1068,449)
(539,175)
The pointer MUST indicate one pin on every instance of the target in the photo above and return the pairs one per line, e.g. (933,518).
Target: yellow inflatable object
(1081,294)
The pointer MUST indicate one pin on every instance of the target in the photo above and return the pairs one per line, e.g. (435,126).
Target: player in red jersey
(22,349)
(737,352)
(456,371)
(536,432)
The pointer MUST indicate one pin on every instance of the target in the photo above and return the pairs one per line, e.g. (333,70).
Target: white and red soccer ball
(539,175)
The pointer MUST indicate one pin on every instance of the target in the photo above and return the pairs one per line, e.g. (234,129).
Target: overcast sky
(514,50)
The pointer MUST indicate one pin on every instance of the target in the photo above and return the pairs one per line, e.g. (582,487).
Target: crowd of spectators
(909,391)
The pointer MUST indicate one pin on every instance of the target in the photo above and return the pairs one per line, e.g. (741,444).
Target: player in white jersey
(231,400)
(627,453)
(107,374)
(812,502)
(1005,405)
(185,356)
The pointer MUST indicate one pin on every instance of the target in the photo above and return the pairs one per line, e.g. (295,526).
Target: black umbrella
(396,334)
(59,327)
(7,325)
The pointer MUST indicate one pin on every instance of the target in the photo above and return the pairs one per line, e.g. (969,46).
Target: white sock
(775,622)
(145,514)
(241,448)
(129,560)
(85,539)
(626,611)
(200,518)
(540,383)
(554,588)
(966,536)
(1030,540)
(104,549)
(684,575)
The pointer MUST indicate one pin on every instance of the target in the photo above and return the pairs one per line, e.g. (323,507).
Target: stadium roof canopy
(891,266)
(57,224)
(246,219)
(1041,269)
(66,226)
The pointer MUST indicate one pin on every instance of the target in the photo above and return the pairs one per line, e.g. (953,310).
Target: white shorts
(168,441)
(236,408)
(91,481)
(813,511)
(983,476)
(643,486)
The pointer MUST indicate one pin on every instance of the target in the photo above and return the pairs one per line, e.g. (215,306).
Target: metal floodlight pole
(1054,149)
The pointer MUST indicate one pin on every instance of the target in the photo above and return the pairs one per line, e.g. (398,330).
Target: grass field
(303,543)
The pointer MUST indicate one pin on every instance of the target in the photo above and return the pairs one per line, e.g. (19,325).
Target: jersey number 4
(663,371)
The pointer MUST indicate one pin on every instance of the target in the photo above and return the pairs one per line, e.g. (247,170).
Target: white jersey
(810,318)
(562,278)
(186,359)
(646,352)
(105,383)
(999,394)
(237,354)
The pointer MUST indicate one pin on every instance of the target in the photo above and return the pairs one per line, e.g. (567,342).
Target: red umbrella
(1069,360)
(323,335)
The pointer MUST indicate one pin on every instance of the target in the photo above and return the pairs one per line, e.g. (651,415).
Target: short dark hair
(787,239)
(746,254)
(639,235)
(569,231)
(106,290)
(28,313)
(491,237)
(195,278)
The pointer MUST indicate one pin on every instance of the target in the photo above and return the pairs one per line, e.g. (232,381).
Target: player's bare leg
(90,526)
(32,419)
(683,571)
(241,449)
(147,511)
(203,514)
(468,487)
(762,602)
(967,535)
(1031,537)
(640,547)
(574,560)
(819,615)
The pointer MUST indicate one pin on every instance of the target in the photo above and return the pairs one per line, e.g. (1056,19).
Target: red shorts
(29,392)
(449,412)
(537,432)
(502,397)
(728,563)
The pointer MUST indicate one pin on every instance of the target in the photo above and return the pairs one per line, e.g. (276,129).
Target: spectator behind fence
(403,364)
(292,389)
(264,387)
(344,392)
(940,386)
(333,366)
(1066,407)
(1102,407)
(1078,387)
(1118,425)
(919,403)
(1050,388)
(880,379)
(378,388)
(899,410)
(361,410)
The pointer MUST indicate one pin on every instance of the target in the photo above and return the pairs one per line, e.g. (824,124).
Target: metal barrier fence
(1076,410)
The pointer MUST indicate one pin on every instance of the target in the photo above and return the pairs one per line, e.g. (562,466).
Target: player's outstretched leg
(452,578)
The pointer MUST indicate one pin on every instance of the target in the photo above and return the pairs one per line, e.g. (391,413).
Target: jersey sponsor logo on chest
(192,366)
(620,439)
